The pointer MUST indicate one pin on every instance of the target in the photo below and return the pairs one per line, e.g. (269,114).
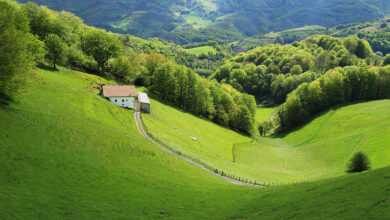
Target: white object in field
(194,138)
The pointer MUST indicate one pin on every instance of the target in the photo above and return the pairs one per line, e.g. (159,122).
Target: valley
(198,109)
(108,170)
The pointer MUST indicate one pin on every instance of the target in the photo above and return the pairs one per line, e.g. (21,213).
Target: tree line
(337,86)
(182,87)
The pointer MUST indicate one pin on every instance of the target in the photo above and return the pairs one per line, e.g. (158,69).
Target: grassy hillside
(318,150)
(66,153)
(264,113)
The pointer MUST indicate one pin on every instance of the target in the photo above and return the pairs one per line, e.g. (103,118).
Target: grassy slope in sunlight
(66,153)
(318,150)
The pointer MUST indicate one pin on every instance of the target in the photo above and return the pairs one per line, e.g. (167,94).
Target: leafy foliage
(101,46)
(56,49)
(18,50)
(359,162)
(275,70)
(184,88)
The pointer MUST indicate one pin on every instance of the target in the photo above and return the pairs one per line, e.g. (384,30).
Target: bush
(264,128)
(358,163)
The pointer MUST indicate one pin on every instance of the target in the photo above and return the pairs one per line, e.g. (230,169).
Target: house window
(116,100)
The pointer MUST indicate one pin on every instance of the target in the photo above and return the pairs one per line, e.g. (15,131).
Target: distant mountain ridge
(169,18)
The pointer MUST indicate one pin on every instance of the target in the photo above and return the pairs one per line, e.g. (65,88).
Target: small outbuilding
(144,102)
(123,96)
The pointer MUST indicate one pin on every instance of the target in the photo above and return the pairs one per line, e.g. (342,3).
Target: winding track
(143,133)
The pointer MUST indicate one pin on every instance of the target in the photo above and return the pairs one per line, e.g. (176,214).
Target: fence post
(234,159)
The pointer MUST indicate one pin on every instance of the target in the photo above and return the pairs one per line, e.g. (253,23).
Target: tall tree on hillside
(16,47)
(101,46)
(56,49)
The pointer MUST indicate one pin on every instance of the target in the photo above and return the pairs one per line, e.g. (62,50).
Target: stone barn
(123,96)
(144,101)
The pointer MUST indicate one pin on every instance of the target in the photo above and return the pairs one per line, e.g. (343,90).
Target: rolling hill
(71,154)
(317,150)
(170,19)
(68,153)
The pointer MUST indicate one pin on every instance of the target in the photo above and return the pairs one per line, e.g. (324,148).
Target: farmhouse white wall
(127,102)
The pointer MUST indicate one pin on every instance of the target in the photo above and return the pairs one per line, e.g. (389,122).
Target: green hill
(71,154)
(317,150)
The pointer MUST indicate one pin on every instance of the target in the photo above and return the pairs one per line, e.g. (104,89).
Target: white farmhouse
(123,96)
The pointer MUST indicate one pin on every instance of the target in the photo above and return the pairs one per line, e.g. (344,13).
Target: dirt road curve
(143,133)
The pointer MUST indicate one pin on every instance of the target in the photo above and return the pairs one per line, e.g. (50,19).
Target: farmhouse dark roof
(119,91)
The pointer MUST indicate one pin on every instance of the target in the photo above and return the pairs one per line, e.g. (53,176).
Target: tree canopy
(18,50)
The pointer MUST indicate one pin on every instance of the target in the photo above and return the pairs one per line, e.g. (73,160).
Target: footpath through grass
(264,114)
(66,153)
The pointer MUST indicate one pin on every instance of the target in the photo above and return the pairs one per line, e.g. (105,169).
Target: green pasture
(264,113)
(315,151)
(201,50)
(67,153)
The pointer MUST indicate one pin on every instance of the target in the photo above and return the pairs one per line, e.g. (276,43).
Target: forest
(273,71)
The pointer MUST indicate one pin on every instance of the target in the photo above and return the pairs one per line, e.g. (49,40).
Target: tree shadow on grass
(46,67)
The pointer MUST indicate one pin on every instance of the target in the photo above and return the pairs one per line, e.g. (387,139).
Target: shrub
(264,128)
(358,163)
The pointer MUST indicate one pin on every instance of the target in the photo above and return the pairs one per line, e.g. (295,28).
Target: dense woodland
(35,34)
(273,71)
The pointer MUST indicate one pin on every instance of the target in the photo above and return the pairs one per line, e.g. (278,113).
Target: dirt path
(143,133)
(273,116)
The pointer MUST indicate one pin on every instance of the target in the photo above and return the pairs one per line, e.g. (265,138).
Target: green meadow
(264,113)
(315,151)
(67,153)
(201,50)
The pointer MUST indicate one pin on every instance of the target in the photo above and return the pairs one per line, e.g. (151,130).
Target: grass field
(201,50)
(66,153)
(318,150)
(264,113)
(196,21)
